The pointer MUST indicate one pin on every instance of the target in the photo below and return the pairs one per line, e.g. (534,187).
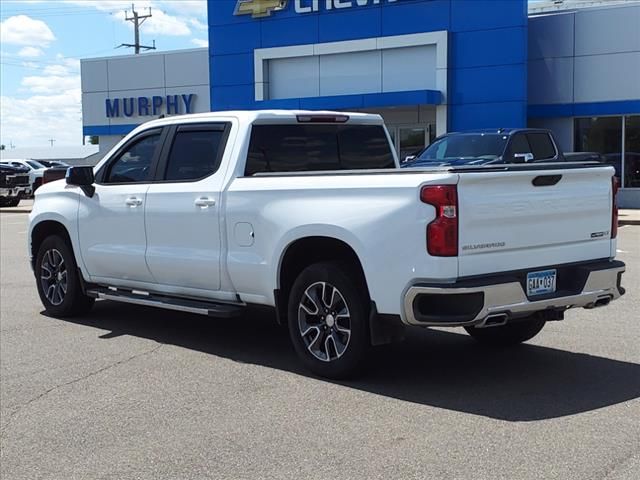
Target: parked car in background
(14,185)
(487,147)
(308,213)
(35,169)
(54,163)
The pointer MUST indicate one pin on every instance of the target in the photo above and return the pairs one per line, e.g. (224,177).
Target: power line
(137,20)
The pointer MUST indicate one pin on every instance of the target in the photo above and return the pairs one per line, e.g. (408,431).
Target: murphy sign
(264,8)
(150,106)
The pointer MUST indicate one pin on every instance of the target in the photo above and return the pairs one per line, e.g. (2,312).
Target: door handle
(133,201)
(205,202)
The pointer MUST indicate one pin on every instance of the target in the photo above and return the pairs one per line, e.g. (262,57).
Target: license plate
(539,283)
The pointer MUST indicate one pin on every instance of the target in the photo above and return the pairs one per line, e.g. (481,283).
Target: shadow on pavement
(440,369)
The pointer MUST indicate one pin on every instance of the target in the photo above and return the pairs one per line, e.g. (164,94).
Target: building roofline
(146,54)
(548,7)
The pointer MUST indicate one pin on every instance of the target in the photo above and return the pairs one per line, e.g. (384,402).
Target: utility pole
(51,140)
(137,20)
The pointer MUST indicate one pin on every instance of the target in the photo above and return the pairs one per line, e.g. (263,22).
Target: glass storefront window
(602,135)
(632,151)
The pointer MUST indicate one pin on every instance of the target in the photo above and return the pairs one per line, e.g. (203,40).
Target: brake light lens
(322,118)
(442,232)
(615,184)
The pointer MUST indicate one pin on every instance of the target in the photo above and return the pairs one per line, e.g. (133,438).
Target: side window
(196,153)
(541,146)
(134,164)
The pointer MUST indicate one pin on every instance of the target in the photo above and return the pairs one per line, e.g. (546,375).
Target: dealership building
(427,66)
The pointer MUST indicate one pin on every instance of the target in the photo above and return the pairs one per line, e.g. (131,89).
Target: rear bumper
(478,301)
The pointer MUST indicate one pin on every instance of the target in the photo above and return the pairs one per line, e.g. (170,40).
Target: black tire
(344,354)
(56,302)
(509,334)
(13,202)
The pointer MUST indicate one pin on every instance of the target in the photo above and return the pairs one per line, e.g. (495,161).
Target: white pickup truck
(308,213)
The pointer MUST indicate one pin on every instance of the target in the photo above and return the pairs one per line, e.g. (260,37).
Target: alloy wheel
(324,321)
(53,276)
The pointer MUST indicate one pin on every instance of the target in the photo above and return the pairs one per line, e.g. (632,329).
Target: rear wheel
(328,320)
(14,202)
(509,334)
(58,279)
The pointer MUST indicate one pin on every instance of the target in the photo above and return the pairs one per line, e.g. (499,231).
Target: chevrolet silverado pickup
(14,185)
(308,213)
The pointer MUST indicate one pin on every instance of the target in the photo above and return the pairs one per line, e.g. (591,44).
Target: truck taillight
(615,184)
(442,233)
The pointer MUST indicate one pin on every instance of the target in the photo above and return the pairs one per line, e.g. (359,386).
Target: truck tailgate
(511,220)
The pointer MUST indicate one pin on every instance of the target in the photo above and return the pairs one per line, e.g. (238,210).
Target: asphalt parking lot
(138,393)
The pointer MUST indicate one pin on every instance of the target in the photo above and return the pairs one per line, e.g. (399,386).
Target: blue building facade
(451,64)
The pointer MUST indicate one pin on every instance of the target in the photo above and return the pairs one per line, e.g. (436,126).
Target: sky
(42,42)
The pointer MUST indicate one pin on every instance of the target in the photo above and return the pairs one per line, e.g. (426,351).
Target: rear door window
(195,153)
(312,148)
(541,146)
(519,144)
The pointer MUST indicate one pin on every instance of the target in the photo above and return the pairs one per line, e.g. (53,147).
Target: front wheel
(509,334)
(328,320)
(58,279)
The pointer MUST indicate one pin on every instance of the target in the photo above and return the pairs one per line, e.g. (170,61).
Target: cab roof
(267,116)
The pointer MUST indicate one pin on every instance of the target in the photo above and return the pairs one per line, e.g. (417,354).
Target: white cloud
(51,84)
(160,23)
(30,52)
(197,24)
(23,30)
(186,7)
(49,106)
(34,120)
(199,42)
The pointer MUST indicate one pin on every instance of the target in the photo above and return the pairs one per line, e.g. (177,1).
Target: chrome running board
(201,307)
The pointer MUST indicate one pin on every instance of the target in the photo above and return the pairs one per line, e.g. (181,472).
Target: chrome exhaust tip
(494,320)
(602,302)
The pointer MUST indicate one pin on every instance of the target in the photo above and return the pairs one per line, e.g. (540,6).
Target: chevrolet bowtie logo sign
(259,8)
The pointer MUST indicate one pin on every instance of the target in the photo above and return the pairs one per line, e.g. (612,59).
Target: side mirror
(82,177)
(523,157)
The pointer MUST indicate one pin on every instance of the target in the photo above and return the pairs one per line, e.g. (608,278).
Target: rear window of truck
(314,148)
